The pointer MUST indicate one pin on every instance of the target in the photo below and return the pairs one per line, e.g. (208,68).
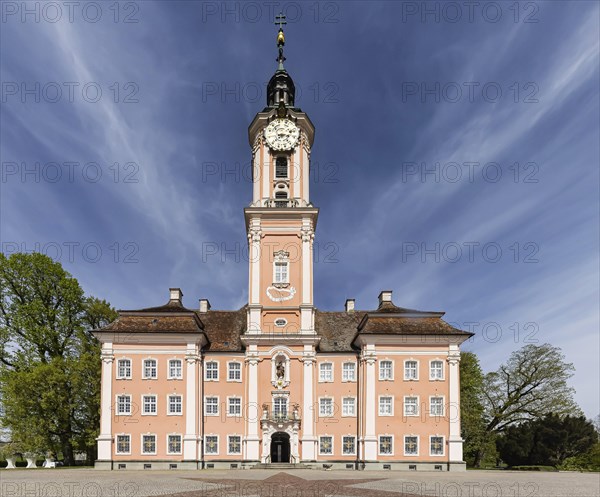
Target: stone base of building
(317,465)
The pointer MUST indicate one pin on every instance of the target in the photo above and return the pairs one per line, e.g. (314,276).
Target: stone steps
(280,465)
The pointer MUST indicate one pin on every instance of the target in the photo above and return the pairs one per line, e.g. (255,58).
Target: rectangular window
(175,404)
(385,370)
(149,404)
(385,406)
(436,370)
(148,444)
(234,444)
(348,406)
(174,444)
(123,444)
(212,370)
(386,445)
(348,445)
(281,272)
(325,445)
(281,167)
(325,408)
(124,368)
(211,445)
(175,369)
(436,446)
(411,406)
(410,370)
(150,370)
(280,407)
(348,371)
(211,406)
(411,446)
(326,371)
(235,371)
(124,404)
(234,407)
(436,407)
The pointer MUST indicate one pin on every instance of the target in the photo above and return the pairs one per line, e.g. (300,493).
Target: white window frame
(391,437)
(206,397)
(169,397)
(144,376)
(229,370)
(443,377)
(118,409)
(404,406)
(404,445)
(142,444)
(127,376)
(349,380)
(353,453)
(391,397)
(283,263)
(117,435)
(325,363)
(443,446)
(229,399)
(443,406)
(349,397)
(169,375)
(206,378)
(381,377)
(144,413)
(229,453)
(321,415)
(206,444)
(276,410)
(331,437)
(416,378)
(180,443)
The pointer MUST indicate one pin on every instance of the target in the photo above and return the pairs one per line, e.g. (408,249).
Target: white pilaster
(105,438)
(190,439)
(455,441)
(370,440)
(252,410)
(254,255)
(308,436)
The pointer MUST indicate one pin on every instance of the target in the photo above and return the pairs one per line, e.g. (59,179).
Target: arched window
(281,167)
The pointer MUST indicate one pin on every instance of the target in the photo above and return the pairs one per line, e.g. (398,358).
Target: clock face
(282,134)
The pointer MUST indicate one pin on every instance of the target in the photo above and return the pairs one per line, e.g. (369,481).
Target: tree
(533,382)
(547,441)
(49,360)
(471,406)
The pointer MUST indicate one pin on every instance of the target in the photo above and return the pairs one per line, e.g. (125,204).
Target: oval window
(280,322)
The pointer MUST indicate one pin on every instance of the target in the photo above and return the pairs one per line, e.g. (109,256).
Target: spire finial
(280,19)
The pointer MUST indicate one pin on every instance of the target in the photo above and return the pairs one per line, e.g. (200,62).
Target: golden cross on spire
(280,19)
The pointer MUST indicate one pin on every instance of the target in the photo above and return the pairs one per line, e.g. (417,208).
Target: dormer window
(281,167)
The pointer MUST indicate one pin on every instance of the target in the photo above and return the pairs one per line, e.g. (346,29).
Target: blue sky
(455,160)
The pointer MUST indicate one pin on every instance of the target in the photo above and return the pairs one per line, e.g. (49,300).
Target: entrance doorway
(280,447)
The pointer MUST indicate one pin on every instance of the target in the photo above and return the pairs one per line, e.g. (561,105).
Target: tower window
(281,199)
(281,167)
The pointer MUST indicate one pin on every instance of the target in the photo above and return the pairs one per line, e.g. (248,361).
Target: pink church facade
(280,382)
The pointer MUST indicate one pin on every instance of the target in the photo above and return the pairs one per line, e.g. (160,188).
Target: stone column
(370,440)
(306,306)
(190,439)
(308,435)
(105,438)
(252,411)
(255,255)
(455,441)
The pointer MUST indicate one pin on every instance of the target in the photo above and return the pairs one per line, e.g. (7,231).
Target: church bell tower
(281,221)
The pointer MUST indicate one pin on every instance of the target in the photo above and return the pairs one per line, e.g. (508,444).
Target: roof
(338,329)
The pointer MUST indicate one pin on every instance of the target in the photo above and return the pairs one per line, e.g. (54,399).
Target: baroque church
(280,383)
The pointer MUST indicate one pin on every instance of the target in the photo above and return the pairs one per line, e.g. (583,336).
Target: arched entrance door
(280,447)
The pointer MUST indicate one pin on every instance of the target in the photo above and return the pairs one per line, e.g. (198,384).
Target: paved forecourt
(66,482)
